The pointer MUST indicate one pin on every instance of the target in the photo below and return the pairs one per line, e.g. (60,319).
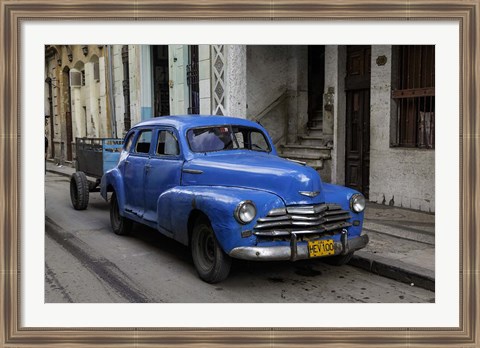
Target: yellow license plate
(319,248)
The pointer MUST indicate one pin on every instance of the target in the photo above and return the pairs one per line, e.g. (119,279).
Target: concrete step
(300,150)
(315,132)
(307,156)
(312,159)
(311,140)
(315,123)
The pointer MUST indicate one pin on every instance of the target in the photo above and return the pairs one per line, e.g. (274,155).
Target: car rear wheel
(338,260)
(211,262)
(120,225)
(79,193)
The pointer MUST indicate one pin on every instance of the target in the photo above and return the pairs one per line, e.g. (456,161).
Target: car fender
(113,178)
(176,206)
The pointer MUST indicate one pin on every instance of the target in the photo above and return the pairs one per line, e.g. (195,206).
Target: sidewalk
(401,247)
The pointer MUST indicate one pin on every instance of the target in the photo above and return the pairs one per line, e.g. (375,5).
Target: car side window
(129,142)
(258,142)
(143,142)
(167,144)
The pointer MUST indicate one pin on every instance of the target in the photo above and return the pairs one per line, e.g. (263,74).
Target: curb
(58,172)
(383,267)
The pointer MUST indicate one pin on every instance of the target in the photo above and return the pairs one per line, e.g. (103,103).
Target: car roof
(189,121)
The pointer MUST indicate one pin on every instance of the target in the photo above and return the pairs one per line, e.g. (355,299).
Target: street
(85,262)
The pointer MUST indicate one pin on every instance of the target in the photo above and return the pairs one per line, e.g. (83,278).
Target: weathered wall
(118,90)
(88,105)
(236,69)
(398,176)
(277,89)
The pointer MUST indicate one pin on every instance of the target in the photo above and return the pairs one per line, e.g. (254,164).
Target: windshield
(219,138)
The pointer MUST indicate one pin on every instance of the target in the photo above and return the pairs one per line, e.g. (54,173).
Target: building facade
(363,116)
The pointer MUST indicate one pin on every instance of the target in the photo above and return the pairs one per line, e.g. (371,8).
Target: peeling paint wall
(398,176)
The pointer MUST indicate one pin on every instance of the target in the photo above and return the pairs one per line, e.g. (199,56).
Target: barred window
(193,80)
(414,96)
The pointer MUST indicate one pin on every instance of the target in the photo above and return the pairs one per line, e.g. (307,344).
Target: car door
(163,173)
(134,172)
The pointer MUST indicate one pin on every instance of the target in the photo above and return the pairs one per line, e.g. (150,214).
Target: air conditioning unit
(75,79)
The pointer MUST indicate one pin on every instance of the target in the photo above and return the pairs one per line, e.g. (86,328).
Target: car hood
(255,170)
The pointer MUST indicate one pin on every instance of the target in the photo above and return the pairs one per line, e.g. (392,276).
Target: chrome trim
(317,218)
(236,213)
(284,252)
(275,233)
(311,194)
(296,161)
(351,202)
(192,171)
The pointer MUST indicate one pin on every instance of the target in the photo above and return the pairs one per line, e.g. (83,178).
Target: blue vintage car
(217,185)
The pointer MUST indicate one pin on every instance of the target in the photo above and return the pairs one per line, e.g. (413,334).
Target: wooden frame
(13,12)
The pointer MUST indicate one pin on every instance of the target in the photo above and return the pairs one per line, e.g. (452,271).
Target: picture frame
(14,13)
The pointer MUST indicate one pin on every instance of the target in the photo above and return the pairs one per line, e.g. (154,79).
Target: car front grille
(307,221)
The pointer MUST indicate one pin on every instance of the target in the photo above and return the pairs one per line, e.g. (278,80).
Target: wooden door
(357,88)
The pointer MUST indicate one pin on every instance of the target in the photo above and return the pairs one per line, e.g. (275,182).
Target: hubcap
(206,248)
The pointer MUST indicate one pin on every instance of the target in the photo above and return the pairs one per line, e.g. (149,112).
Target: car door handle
(192,171)
(147,167)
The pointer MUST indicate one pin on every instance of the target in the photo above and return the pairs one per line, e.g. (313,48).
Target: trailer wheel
(79,190)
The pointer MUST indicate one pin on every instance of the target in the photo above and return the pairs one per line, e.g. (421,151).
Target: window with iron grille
(193,80)
(414,96)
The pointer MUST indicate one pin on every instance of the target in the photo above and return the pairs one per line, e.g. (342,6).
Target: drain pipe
(113,118)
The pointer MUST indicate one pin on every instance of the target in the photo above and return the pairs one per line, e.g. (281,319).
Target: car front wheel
(120,225)
(211,262)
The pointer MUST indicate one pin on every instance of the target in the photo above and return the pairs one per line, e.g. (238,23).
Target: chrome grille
(303,220)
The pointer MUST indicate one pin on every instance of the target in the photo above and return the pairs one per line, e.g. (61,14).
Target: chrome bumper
(296,251)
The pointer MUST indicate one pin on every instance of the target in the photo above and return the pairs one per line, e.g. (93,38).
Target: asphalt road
(86,262)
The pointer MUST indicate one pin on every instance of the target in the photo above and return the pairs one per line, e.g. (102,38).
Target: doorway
(161,90)
(316,82)
(68,111)
(357,147)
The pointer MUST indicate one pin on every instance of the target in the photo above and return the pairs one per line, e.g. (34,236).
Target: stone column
(205,85)
(78,114)
(334,118)
(229,80)
(146,84)
(236,81)
(297,91)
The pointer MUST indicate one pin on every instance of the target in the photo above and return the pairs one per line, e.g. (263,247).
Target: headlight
(357,203)
(245,212)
